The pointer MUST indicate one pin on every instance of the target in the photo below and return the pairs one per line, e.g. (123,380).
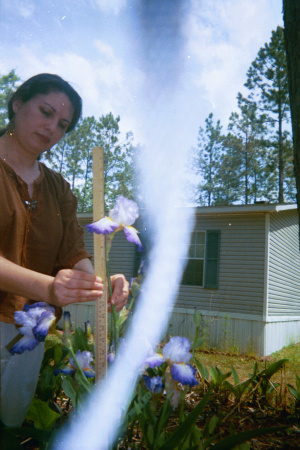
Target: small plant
(295,392)
(201,338)
(239,388)
(226,332)
(261,383)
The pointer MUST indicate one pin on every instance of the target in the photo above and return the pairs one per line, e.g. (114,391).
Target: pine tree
(248,128)
(228,174)
(207,159)
(8,85)
(268,83)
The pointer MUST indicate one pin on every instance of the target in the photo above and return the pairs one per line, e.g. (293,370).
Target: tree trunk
(291,16)
(280,157)
(246,170)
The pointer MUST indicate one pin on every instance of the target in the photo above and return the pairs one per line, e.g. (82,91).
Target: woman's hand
(120,292)
(74,286)
(69,286)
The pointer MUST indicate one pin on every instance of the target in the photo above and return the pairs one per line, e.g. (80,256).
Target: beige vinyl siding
(241,270)
(284,265)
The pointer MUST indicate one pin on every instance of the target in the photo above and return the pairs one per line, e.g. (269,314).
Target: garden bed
(278,410)
(246,417)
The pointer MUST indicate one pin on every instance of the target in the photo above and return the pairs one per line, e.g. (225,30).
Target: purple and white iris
(154,359)
(121,217)
(177,350)
(111,352)
(177,354)
(84,360)
(36,320)
(154,384)
(184,373)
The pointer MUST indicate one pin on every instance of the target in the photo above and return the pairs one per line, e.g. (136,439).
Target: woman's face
(42,121)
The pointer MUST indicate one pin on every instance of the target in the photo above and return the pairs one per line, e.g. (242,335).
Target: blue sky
(171,64)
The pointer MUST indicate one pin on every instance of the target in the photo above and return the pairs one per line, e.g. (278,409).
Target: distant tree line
(72,157)
(251,161)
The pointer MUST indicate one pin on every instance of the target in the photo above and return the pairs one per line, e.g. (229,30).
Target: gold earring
(10,129)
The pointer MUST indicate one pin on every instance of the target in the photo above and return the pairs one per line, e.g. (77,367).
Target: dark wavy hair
(44,83)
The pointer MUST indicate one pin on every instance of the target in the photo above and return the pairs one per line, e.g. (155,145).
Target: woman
(42,255)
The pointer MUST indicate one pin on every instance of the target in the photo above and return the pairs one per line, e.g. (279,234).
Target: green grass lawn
(243,364)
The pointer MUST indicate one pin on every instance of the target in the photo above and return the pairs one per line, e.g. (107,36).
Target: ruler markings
(100,265)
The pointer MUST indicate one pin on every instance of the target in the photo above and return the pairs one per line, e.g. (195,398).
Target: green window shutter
(137,261)
(212,256)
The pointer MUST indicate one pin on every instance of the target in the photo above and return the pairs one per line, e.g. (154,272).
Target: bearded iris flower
(154,359)
(121,217)
(84,360)
(36,320)
(184,373)
(177,354)
(177,350)
(111,351)
(154,384)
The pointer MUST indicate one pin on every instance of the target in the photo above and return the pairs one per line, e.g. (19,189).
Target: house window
(193,274)
(202,267)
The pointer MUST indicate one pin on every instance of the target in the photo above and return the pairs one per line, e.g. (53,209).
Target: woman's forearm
(68,286)
(24,282)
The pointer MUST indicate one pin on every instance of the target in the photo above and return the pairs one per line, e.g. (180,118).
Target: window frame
(211,260)
(188,258)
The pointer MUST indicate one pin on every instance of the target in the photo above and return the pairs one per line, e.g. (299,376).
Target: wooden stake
(100,265)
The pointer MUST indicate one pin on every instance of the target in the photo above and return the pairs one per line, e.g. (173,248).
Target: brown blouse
(42,233)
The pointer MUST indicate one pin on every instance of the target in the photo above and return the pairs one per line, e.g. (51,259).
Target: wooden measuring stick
(100,265)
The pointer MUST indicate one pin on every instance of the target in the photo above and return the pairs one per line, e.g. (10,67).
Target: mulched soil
(243,419)
(245,416)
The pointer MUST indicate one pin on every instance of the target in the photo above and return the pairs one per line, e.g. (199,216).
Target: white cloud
(25,9)
(114,6)
(223,39)
(103,83)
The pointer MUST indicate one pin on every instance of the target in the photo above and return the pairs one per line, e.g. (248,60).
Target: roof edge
(255,208)
(228,209)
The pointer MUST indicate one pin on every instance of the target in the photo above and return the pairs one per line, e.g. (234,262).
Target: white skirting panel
(225,332)
(280,334)
(222,332)
(242,334)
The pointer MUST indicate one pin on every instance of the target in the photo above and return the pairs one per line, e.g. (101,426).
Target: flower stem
(197,323)
(85,382)
(114,316)
(116,327)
